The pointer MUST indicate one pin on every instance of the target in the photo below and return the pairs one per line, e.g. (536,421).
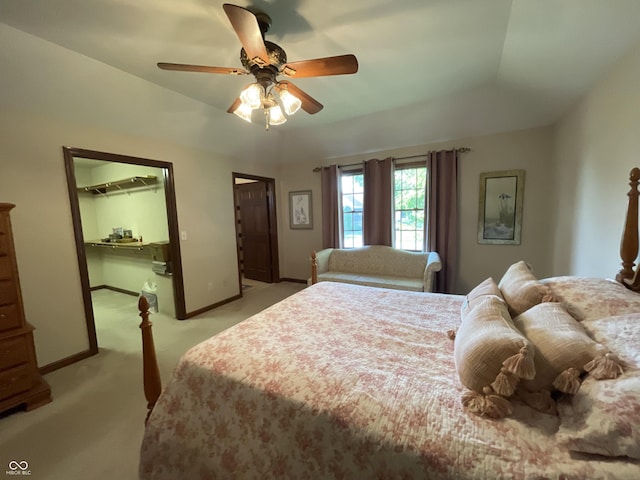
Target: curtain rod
(461,150)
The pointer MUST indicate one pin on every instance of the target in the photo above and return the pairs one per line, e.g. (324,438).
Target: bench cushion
(384,281)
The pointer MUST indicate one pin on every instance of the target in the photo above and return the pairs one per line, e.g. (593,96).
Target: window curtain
(378,201)
(442,218)
(330,207)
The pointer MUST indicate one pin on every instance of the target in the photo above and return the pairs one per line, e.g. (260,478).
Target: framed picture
(500,211)
(300,210)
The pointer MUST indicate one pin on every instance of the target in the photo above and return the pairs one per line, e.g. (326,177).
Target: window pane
(358,183)
(348,221)
(352,202)
(410,177)
(411,199)
(347,184)
(357,240)
(357,221)
(397,185)
(409,203)
(347,203)
(397,200)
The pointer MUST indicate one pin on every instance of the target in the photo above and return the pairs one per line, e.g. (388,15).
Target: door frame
(172,224)
(273,223)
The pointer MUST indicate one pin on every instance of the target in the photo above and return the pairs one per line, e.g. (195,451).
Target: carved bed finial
(151,372)
(629,243)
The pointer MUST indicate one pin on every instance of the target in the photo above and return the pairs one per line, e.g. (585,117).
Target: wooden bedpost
(314,268)
(151,372)
(629,243)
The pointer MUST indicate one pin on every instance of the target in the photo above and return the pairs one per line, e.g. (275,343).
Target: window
(409,207)
(409,194)
(352,201)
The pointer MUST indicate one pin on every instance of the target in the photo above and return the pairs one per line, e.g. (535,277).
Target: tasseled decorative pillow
(521,289)
(564,351)
(491,357)
(479,292)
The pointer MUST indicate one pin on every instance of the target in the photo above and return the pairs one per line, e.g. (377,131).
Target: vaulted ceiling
(428,69)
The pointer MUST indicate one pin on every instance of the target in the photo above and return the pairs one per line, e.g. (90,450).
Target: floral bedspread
(347,382)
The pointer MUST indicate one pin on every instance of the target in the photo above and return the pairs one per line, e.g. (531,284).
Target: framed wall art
(500,210)
(300,210)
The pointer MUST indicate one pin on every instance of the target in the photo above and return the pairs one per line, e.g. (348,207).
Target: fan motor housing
(277,56)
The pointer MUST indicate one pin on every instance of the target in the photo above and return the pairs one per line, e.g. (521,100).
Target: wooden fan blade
(320,67)
(201,68)
(247,28)
(309,104)
(234,105)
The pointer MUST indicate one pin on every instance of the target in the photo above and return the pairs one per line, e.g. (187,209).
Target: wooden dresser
(20,381)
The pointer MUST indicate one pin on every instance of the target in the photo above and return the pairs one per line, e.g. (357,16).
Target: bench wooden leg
(314,268)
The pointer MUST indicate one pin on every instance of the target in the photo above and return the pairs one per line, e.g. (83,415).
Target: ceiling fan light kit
(265,61)
(276,101)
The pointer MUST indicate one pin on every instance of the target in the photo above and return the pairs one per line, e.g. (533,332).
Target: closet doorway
(135,247)
(256,228)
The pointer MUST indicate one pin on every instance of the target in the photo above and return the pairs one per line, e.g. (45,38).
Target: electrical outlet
(210,286)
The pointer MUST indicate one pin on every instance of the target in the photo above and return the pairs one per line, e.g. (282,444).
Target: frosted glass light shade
(244,112)
(276,117)
(252,96)
(290,102)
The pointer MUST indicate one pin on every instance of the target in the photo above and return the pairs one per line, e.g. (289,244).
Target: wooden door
(255,231)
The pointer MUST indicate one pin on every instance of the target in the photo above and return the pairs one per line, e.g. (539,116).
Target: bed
(347,381)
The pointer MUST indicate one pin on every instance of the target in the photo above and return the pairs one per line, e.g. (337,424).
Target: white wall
(596,146)
(530,150)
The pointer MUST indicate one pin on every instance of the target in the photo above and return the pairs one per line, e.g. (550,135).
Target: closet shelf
(131,182)
(118,245)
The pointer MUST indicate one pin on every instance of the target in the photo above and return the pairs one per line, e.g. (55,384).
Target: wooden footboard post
(151,372)
(629,243)
(314,268)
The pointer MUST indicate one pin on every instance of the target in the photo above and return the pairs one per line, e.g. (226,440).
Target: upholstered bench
(376,266)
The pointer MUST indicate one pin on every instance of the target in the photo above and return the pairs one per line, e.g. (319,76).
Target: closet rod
(409,157)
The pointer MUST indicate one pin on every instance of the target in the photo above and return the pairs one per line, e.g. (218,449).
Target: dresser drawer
(8,293)
(13,351)
(4,242)
(6,272)
(9,317)
(16,380)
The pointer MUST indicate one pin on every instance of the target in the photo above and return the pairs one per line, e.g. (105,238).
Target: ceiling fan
(266,61)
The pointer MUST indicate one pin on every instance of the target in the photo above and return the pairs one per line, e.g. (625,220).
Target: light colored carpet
(93,427)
